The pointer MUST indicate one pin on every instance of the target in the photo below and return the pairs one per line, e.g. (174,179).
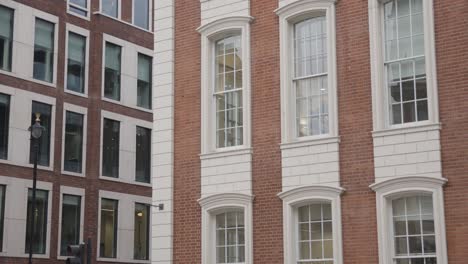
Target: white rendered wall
(163,131)
(212,10)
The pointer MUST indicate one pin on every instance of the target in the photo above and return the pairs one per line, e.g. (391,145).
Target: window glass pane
(71,219)
(45,112)
(112,71)
(141,13)
(40,221)
(6,37)
(82,3)
(110,7)
(143,154)
(78,11)
(142,229)
(110,148)
(4,124)
(73,156)
(144,81)
(230,237)
(44,50)
(76,62)
(2,213)
(315,237)
(312,106)
(108,236)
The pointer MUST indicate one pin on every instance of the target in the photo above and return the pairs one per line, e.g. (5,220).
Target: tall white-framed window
(308,70)
(312,225)
(111,8)
(74,140)
(410,219)
(226,84)
(403,66)
(77,64)
(227,228)
(79,8)
(142,13)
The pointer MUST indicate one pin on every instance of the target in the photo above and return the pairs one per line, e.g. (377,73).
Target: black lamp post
(36,133)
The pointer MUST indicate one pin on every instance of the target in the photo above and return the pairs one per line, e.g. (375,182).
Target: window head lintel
(310,193)
(407,184)
(227,24)
(296,10)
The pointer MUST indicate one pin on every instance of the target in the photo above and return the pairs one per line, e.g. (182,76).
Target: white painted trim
(84,112)
(402,186)
(311,142)
(85,33)
(288,15)
(88,10)
(297,197)
(407,129)
(209,34)
(71,191)
(380,113)
(214,204)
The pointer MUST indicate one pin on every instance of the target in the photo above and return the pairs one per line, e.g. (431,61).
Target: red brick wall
(451,24)
(98,25)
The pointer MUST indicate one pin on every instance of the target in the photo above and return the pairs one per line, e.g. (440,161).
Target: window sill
(123,22)
(122,104)
(76,93)
(106,178)
(74,174)
(12,74)
(39,167)
(311,141)
(234,151)
(87,18)
(114,260)
(412,128)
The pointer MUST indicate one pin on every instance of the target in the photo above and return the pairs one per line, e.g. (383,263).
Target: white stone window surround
(219,203)
(404,186)
(289,14)
(20,121)
(211,32)
(128,71)
(85,33)
(150,16)
(380,111)
(16,214)
(297,197)
(88,10)
(23,42)
(66,190)
(125,226)
(127,148)
(84,112)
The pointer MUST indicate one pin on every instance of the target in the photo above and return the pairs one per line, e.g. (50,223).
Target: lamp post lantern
(36,133)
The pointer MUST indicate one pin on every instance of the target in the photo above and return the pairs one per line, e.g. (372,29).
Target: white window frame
(150,16)
(84,112)
(119,10)
(295,198)
(85,33)
(220,203)
(125,225)
(65,190)
(210,33)
(87,10)
(380,111)
(288,16)
(403,186)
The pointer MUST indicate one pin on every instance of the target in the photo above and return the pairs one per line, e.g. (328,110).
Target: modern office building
(311,131)
(85,66)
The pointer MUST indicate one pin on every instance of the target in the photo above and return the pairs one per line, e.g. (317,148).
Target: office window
(76,62)
(44,50)
(4,124)
(44,145)
(108,237)
(40,227)
(73,156)
(315,237)
(144,81)
(230,238)
(71,221)
(405,61)
(413,230)
(228,92)
(143,154)
(112,71)
(141,13)
(2,214)
(6,37)
(110,7)
(142,231)
(79,7)
(310,78)
(110,148)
